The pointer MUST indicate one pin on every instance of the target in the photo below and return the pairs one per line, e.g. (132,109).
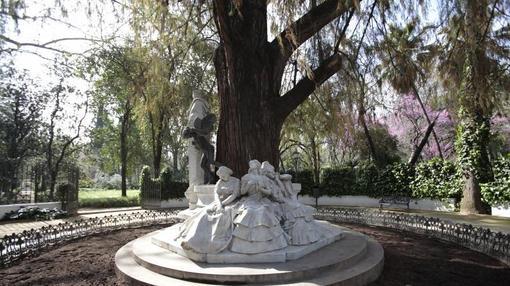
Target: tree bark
(425,113)
(124,130)
(476,108)
(471,202)
(419,148)
(249,72)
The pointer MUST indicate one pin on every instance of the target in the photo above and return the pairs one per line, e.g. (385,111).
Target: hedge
(498,191)
(169,189)
(366,180)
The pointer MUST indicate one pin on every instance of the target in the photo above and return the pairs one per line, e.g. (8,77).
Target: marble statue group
(259,213)
(251,230)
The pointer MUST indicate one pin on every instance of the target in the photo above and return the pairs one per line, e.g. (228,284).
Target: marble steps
(353,260)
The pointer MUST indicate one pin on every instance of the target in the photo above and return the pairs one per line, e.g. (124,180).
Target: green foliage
(366,176)
(145,176)
(498,191)
(171,189)
(436,179)
(85,182)
(168,188)
(62,191)
(473,136)
(385,145)
(102,198)
(338,181)
(35,213)
(395,179)
(305,178)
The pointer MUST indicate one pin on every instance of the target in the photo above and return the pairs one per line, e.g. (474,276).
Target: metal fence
(31,183)
(19,245)
(495,244)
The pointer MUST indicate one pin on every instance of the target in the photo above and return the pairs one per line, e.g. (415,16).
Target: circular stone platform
(353,260)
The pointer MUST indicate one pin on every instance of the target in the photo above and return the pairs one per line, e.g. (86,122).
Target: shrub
(338,181)
(498,191)
(110,202)
(36,213)
(164,184)
(366,175)
(86,182)
(394,179)
(305,178)
(171,189)
(436,179)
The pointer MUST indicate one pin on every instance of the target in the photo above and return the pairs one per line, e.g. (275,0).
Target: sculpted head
(267,169)
(224,173)
(254,167)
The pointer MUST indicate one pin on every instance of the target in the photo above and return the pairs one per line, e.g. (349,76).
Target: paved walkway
(493,222)
(7,227)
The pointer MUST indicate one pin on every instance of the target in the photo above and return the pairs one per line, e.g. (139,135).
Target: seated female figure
(257,225)
(210,230)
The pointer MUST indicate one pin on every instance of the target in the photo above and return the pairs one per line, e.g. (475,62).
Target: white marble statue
(257,224)
(199,109)
(210,229)
(258,214)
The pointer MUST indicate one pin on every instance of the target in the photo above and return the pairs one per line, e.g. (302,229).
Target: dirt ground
(409,260)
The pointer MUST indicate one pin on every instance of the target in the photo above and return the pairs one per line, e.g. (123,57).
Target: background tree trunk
(126,117)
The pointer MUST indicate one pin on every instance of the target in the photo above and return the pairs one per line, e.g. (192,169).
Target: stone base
(353,260)
(164,240)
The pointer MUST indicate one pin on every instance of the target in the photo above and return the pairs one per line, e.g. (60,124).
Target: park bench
(394,200)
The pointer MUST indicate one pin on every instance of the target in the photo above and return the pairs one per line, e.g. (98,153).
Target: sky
(100,24)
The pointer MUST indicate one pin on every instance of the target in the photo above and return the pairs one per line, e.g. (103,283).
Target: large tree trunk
(475,108)
(248,128)
(249,71)
(471,202)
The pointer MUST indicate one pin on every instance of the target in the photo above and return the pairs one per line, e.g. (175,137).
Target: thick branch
(300,92)
(306,26)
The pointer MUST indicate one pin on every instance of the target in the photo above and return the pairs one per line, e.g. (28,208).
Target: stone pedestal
(196,174)
(355,259)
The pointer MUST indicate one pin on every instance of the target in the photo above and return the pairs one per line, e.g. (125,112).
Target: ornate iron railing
(16,246)
(495,244)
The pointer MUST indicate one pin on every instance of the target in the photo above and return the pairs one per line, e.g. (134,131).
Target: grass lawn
(103,198)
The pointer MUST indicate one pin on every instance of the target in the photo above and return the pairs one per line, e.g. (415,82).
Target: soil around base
(410,259)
